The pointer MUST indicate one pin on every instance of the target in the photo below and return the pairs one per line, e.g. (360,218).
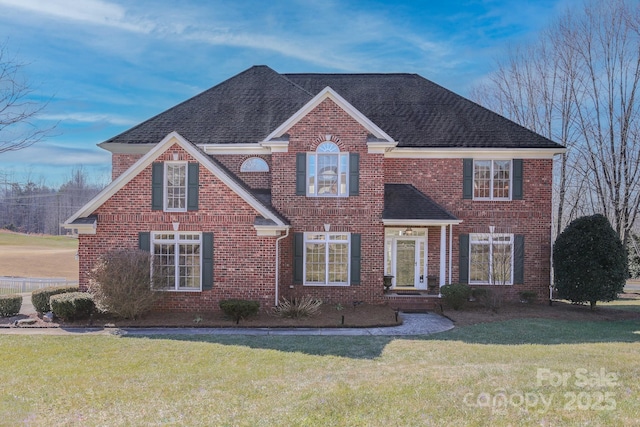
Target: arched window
(328,171)
(254,164)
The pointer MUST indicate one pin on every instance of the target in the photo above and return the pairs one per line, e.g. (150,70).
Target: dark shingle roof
(412,110)
(243,109)
(404,201)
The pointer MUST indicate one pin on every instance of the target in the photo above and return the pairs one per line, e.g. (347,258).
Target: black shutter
(518,259)
(354,174)
(463,258)
(517,193)
(157,182)
(144,241)
(207,261)
(355,258)
(301,174)
(467,178)
(193,186)
(298,257)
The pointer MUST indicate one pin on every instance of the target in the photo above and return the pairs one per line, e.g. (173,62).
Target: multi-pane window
(327,171)
(491,259)
(326,258)
(178,257)
(492,179)
(175,189)
(254,164)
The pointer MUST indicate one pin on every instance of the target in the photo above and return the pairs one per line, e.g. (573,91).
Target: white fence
(28,284)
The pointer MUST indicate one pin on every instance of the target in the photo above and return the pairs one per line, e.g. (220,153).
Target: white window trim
(165,186)
(490,243)
(340,155)
(326,241)
(491,197)
(249,165)
(177,241)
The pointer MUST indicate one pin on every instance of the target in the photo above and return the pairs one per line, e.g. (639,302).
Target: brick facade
(244,263)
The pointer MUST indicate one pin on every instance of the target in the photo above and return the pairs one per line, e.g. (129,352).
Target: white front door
(406,261)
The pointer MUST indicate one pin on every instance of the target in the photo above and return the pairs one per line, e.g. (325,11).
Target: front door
(406,261)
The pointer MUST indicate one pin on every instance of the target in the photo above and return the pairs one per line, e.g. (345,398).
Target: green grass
(18,239)
(287,380)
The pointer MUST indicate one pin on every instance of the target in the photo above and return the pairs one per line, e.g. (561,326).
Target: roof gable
(328,93)
(167,142)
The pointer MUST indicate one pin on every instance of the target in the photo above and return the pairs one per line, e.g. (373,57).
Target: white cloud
(89,118)
(95,12)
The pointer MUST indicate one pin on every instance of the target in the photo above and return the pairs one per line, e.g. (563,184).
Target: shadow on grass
(544,331)
(354,347)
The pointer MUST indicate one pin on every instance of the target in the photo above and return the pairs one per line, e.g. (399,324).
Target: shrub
(121,283)
(73,305)
(40,297)
(301,307)
(528,296)
(590,262)
(455,295)
(10,305)
(239,308)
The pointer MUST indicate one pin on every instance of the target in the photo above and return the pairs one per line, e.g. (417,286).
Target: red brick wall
(122,162)
(252,179)
(355,214)
(243,263)
(441,179)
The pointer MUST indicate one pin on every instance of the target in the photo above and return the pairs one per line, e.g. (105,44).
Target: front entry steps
(413,301)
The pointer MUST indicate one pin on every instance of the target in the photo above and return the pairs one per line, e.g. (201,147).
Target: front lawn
(518,372)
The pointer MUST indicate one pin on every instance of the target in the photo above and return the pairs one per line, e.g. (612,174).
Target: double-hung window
(326,258)
(327,171)
(175,188)
(491,258)
(492,179)
(178,256)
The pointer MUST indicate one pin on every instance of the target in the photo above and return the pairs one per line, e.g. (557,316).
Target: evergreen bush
(10,305)
(40,297)
(73,305)
(590,261)
(455,295)
(238,309)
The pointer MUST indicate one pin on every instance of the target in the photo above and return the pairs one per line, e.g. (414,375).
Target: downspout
(286,234)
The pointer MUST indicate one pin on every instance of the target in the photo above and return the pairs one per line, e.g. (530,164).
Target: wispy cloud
(89,118)
(94,12)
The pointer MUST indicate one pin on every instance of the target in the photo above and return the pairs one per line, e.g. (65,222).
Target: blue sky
(107,65)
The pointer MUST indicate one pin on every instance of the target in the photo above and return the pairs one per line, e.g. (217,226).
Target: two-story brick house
(278,185)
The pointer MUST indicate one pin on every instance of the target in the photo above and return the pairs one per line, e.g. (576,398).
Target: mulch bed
(363,315)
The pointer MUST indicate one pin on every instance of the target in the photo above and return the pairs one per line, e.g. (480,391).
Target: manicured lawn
(454,378)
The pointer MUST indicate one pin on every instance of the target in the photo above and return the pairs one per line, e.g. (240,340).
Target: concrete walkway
(413,324)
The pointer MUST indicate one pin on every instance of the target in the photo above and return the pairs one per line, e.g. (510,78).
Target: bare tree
(578,85)
(18,112)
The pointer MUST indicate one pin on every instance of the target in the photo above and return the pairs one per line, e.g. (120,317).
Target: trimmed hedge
(455,295)
(239,308)
(72,305)
(40,297)
(10,305)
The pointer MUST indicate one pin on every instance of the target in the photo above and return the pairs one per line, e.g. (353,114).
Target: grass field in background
(26,255)
(507,373)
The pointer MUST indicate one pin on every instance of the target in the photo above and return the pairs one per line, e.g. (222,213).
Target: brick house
(276,185)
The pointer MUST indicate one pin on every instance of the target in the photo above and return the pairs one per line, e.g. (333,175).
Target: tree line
(578,84)
(34,207)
